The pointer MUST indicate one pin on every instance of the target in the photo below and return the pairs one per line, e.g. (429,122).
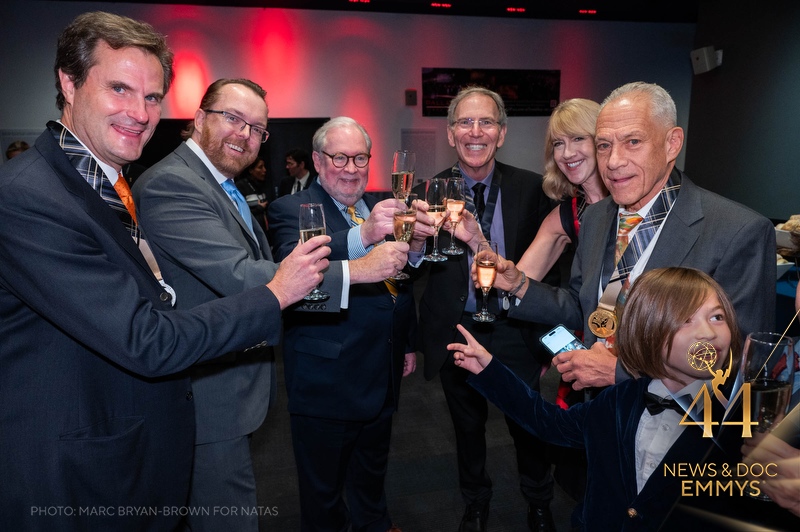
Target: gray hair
(321,136)
(470,91)
(662,106)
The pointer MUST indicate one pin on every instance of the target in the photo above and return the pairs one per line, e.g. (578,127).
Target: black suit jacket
(341,366)
(524,206)
(287,183)
(95,410)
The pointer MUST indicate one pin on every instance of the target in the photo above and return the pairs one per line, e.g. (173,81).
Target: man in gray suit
(207,248)
(638,140)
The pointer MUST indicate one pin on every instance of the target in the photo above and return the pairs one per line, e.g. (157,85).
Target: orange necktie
(124,193)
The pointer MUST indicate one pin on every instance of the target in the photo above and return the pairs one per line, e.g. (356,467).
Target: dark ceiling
(622,10)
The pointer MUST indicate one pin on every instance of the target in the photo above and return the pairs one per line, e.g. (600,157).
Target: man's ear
(67,86)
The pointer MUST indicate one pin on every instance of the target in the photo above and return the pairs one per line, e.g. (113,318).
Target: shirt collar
(107,169)
(202,156)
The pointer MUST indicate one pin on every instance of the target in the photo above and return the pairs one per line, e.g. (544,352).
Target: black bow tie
(656,404)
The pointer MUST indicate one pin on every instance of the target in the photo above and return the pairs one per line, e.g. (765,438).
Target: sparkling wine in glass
(768,365)
(404,222)
(486,264)
(455,206)
(312,223)
(403,167)
(436,196)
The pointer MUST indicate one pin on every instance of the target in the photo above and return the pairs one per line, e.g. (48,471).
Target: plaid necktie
(391,284)
(626,224)
(86,165)
(241,204)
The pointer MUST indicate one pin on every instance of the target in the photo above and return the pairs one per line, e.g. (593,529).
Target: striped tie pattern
(627,221)
(87,166)
(391,284)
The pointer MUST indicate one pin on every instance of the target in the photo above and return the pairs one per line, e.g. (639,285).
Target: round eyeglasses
(483,123)
(238,123)
(340,160)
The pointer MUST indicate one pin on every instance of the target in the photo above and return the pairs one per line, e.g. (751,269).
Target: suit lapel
(678,228)
(87,198)
(198,167)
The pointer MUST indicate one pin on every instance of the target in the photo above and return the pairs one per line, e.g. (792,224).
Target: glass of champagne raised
(769,362)
(403,167)
(312,223)
(436,196)
(404,222)
(486,264)
(455,206)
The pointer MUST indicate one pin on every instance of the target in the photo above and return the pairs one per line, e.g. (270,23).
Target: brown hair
(659,303)
(78,41)
(213,90)
(572,118)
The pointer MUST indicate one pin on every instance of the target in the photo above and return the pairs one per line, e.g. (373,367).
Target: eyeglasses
(483,123)
(239,123)
(340,160)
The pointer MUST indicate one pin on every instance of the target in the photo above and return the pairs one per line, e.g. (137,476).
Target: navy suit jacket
(206,252)
(95,410)
(606,427)
(341,366)
(728,241)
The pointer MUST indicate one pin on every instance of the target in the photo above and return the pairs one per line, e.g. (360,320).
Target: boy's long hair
(659,303)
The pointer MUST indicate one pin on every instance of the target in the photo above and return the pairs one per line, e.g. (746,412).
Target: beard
(215,150)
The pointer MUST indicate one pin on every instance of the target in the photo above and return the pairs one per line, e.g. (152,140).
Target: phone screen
(559,340)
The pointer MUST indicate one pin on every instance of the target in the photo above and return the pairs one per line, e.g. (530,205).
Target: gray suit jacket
(206,252)
(730,242)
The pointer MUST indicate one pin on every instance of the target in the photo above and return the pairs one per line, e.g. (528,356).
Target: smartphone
(559,340)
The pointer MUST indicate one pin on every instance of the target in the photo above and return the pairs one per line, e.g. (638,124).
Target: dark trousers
(469,412)
(336,456)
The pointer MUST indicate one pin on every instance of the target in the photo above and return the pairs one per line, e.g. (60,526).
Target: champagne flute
(403,167)
(312,223)
(769,361)
(455,206)
(436,197)
(404,222)
(486,264)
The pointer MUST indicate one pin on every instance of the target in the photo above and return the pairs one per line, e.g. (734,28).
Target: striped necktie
(391,284)
(626,224)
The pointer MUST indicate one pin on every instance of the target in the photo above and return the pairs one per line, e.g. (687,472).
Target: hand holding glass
(486,265)
(312,223)
(404,222)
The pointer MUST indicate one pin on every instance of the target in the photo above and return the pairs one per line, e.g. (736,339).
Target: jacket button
(462,298)
(165,297)
(189,395)
(632,512)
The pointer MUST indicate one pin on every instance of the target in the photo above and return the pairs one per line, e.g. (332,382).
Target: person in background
(15,148)
(667,221)
(511,207)
(631,431)
(298,165)
(343,372)
(252,183)
(98,412)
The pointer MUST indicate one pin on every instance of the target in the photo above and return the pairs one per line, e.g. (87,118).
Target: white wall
(329,63)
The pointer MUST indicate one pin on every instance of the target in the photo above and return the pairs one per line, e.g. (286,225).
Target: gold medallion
(603,322)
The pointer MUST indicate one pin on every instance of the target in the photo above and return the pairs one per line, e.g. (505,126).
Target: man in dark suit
(208,249)
(343,371)
(97,417)
(298,165)
(638,141)
(513,206)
